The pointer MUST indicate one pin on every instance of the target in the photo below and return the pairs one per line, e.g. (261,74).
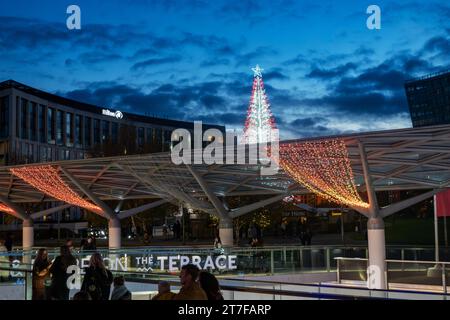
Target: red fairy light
(5,208)
(47,180)
(323,167)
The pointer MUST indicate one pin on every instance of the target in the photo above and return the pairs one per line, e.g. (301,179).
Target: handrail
(341,296)
(397,261)
(268,291)
(331,285)
(276,247)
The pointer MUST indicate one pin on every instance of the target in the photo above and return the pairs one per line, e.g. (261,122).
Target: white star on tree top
(257,71)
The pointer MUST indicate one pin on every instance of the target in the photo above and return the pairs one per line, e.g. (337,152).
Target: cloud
(297,60)
(327,74)
(362,103)
(154,62)
(96,57)
(438,44)
(273,75)
(308,122)
(215,62)
(249,58)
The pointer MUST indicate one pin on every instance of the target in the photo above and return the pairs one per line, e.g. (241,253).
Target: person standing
(164,292)
(83,244)
(190,288)
(4,261)
(120,291)
(9,246)
(97,279)
(177,229)
(283,228)
(58,270)
(69,243)
(9,242)
(41,275)
(90,245)
(217,243)
(210,285)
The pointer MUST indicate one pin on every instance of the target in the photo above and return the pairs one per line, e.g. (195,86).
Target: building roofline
(428,76)
(94,108)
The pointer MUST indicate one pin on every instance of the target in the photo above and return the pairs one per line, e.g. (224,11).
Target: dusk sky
(325,72)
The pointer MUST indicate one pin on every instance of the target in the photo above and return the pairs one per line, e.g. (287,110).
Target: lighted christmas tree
(260,123)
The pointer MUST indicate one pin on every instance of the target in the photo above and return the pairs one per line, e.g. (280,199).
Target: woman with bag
(97,279)
(41,275)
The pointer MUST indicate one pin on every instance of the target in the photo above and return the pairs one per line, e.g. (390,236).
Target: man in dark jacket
(58,270)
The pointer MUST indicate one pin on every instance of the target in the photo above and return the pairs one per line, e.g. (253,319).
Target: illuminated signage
(115,114)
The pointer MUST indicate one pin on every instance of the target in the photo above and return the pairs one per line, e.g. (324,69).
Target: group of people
(303,231)
(50,278)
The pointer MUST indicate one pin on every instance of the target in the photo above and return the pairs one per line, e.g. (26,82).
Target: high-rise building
(37,126)
(429,99)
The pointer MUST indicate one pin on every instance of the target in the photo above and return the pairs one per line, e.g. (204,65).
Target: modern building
(429,99)
(37,126)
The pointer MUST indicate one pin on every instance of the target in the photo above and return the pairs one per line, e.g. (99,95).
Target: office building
(429,99)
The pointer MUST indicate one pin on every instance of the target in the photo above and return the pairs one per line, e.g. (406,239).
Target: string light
(47,180)
(323,167)
(5,208)
(259,122)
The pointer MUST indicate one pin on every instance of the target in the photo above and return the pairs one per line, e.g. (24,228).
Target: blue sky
(325,72)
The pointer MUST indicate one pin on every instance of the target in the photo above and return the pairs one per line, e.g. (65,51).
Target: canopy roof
(404,159)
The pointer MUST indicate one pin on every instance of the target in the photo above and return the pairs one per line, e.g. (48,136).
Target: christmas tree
(260,122)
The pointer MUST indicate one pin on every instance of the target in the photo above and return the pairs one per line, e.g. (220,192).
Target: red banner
(443,203)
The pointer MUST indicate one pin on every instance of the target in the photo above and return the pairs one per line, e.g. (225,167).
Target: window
(41,123)
(33,120)
(87,131)
(23,119)
(105,130)
(4,117)
(69,132)
(140,137)
(158,136)
(167,140)
(59,127)
(96,131)
(51,125)
(45,154)
(115,132)
(150,136)
(17,117)
(78,132)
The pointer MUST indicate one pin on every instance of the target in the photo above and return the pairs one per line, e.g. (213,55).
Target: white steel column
(114,237)
(226,232)
(27,234)
(376,270)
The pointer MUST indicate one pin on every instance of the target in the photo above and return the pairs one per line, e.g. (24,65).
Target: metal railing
(240,289)
(426,275)
(262,260)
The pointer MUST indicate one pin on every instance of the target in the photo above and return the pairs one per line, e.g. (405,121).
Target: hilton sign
(116,114)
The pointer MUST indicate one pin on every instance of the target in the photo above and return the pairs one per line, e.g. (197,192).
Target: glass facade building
(36,126)
(429,99)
